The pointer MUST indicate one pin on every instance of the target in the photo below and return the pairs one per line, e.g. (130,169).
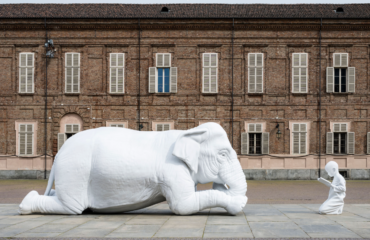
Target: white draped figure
(335,202)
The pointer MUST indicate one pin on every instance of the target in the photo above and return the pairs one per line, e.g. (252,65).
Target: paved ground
(256,221)
(259,192)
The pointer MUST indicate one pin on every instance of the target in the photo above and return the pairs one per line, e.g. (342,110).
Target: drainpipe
(138,95)
(46,99)
(319,103)
(232,86)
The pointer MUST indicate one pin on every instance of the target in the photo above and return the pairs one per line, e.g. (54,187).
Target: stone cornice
(187,26)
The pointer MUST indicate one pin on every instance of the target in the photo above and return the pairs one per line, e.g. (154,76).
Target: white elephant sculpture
(110,170)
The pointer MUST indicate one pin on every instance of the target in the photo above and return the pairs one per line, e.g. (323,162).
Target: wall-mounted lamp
(141,127)
(278,133)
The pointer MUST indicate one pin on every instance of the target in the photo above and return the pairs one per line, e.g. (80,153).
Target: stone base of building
(302,174)
(23,174)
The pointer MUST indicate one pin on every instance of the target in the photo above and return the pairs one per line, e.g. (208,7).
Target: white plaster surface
(118,170)
(335,202)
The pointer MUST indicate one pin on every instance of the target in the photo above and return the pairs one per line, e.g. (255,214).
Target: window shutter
(166,127)
(296,127)
(159,127)
(343,127)
(303,59)
(296,80)
(206,60)
(259,59)
(68,80)
(214,80)
(76,128)
(295,143)
(152,79)
(76,72)
(303,142)
(120,60)
(26,72)
(329,79)
(303,81)
(120,80)
(344,60)
(368,143)
(120,125)
(23,60)
(167,60)
(173,72)
(252,80)
(351,79)
(351,143)
(69,60)
(61,140)
(258,127)
(265,142)
(113,80)
(245,143)
(29,80)
(69,128)
(329,142)
(295,59)
(303,127)
(29,139)
(23,79)
(113,59)
(113,125)
(206,80)
(22,139)
(252,59)
(336,127)
(251,127)
(259,80)
(340,59)
(159,59)
(213,59)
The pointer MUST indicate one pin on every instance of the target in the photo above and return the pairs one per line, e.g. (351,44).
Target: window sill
(26,94)
(255,94)
(71,94)
(208,94)
(342,93)
(162,94)
(116,94)
(299,94)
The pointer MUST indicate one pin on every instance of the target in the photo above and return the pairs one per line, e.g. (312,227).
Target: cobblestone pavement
(259,192)
(256,221)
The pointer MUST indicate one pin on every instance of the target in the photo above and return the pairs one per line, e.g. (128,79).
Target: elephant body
(117,170)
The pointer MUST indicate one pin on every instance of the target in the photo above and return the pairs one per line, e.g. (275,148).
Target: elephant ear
(187,146)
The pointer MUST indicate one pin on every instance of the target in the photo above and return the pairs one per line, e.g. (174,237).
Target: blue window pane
(160,79)
(166,80)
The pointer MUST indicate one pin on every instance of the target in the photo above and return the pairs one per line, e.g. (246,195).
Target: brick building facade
(254,69)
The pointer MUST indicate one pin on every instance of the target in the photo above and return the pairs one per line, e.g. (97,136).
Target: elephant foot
(236,204)
(26,206)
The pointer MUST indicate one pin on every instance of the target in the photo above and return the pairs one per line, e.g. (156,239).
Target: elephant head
(208,153)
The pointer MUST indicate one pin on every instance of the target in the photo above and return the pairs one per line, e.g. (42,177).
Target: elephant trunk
(233,176)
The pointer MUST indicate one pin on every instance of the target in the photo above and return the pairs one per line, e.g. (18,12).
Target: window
(299,72)
(255,72)
(299,138)
(163,77)
(162,127)
(72,72)
(210,73)
(26,72)
(117,69)
(70,130)
(255,141)
(26,139)
(118,125)
(340,141)
(340,78)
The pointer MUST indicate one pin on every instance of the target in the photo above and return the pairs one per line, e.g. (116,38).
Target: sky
(187,1)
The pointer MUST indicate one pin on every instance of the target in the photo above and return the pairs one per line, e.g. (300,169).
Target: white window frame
(300,66)
(254,68)
(73,68)
(156,123)
(212,71)
(153,74)
(117,68)
(255,127)
(302,129)
(338,59)
(340,127)
(26,68)
(26,133)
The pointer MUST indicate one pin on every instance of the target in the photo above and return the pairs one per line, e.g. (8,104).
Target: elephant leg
(199,201)
(35,203)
